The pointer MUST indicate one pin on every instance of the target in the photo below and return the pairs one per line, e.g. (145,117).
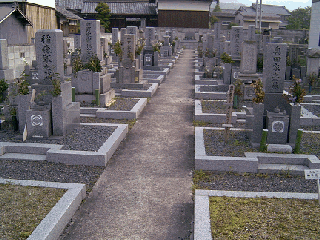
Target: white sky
(289,4)
(49,3)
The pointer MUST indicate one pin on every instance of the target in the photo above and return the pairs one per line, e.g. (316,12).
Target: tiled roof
(264,15)
(279,10)
(69,4)
(184,5)
(6,10)
(67,14)
(123,8)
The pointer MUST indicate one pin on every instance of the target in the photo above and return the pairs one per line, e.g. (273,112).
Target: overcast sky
(289,4)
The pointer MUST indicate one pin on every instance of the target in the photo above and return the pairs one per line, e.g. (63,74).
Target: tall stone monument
(236,41)
(314,32)
(90,39)
(150,57)
(282,119)
(51,113)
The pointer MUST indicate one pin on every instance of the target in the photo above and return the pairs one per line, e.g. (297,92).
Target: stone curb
(208,95)
(132,114)
(54,223)
(211,117)
(158,80)
(202,228)
(115,114)
(54,153)
(249,163)
(140,93)
(99,158)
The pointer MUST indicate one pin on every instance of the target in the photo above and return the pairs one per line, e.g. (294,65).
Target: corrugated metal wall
(183,19)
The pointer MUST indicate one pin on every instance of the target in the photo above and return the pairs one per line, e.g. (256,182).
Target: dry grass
(23,208)
(262,218)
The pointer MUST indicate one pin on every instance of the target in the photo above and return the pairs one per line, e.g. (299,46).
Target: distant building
(154,13)
(184,14)
(13,24)
(68,22)
(274,17)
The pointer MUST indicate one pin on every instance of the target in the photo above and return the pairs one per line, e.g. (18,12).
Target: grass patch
(23,208)
(264,218)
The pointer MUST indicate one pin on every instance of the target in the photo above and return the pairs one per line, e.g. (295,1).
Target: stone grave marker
(274,67)
(49,53)
(90,39)
(249,54)
(229,104)
(115,35)
(251,33)
(236,41)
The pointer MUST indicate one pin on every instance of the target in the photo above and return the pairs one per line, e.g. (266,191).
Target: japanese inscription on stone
(274,67)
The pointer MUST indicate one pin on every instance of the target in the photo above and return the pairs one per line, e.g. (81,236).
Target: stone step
(278,168)
(241,121)
(88,115)
(32,157)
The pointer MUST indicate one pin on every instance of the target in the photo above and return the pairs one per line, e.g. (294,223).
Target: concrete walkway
(145,190)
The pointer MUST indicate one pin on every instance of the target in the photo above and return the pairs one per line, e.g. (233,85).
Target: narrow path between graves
(145,191)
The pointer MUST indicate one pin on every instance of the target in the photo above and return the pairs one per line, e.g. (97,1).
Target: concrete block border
(115,114)
(158,80)
(202,228)
(53,224)
(140,93)
(249,163)
(212,117)
(99,158)
(208,95)
(54,153)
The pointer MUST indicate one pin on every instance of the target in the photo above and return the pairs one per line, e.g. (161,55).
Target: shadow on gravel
(183,214)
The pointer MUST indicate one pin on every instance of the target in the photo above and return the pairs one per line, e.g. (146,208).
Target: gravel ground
(237,144)
(219,107)
(83,138)
(123,104)
(257,183)
(47,171)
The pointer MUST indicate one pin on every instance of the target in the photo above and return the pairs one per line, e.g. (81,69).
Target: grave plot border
(140,93)
(53,152)
(55,221)
(208,95)
(205,81)
(202,228)
(253,162)
(158,80)
(115,114)
(165,72)
(213,117)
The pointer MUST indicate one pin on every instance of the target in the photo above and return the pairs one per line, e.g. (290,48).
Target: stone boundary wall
(17,55)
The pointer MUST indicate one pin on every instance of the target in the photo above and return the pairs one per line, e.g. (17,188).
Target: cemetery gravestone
(248,62)
(236,41)
(51,113)
(90,39)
